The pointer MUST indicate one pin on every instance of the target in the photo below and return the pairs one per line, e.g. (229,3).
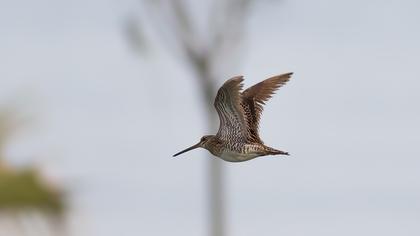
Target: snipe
(239,113)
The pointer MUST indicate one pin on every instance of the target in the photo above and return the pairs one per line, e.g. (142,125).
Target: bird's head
(203,144)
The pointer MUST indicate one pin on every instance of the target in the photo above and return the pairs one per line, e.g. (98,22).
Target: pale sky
(106,121)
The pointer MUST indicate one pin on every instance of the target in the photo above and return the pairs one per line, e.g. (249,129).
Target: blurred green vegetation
(23,188)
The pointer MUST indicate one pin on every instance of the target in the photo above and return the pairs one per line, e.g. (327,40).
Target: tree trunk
(215,173)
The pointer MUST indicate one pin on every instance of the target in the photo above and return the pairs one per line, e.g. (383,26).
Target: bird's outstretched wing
(233,122)
(255,97)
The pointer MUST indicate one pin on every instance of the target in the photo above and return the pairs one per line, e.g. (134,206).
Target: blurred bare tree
(28,205)
(208,41)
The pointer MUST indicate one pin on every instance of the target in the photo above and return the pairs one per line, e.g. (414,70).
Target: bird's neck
(213,145)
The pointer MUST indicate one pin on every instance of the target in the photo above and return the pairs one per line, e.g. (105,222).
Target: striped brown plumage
(240,112)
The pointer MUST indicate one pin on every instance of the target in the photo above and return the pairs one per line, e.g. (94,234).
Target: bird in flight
(239,113)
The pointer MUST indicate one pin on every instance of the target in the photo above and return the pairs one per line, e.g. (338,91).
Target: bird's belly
(237,156)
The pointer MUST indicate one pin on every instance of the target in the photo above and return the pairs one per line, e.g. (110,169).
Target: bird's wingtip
(238,78)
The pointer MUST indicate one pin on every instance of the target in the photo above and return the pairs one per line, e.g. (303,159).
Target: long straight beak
(188,149)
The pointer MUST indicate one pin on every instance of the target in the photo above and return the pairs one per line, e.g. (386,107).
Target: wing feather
(255,97)
(233,123)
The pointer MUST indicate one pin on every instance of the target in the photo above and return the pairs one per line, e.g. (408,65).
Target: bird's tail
(272,151)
